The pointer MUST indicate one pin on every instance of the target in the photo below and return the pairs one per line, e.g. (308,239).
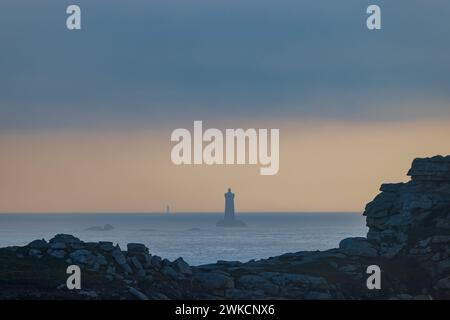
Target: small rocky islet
(106,227)
(408,238)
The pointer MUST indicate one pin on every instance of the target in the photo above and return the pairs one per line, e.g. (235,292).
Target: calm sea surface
(195,237)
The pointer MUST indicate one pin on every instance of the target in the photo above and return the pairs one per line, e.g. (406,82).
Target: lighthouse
(229,205)
(229,219)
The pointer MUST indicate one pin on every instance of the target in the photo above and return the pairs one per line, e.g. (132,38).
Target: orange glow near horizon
(324,166)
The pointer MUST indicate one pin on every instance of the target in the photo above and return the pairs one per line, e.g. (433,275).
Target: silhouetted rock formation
(408,238)
(413,219)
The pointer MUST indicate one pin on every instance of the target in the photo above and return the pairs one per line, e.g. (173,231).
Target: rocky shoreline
(408,238)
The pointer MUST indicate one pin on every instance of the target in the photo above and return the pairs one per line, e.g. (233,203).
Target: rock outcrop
(412,220)
(408,238)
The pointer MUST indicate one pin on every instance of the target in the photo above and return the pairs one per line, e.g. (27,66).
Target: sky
(86,115)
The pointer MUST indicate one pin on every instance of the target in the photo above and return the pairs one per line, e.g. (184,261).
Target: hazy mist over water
(195,237)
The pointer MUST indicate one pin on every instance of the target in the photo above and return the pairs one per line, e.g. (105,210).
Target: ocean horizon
(193,236)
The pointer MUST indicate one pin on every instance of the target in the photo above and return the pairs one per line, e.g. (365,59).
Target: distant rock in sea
(231,223)
(106,227)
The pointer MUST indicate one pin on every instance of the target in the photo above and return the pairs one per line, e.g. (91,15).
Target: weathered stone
(348,268)
(239,294)
(181,266)
(314,295)
(293,279)
(215,280)
(65,238)
(106,246)
(443,223)
(56,253)
(156,261)
(110,269)
(137,294)
(120,259)
(141,273)
(441,239)
(386,237)
(81,256)
(89,294)
(357,246)
(423,297)
(436,257)
(420,251)
(444,283)
(35,253)
(254,282)
(38,244)
(424,243)
(158,296)
(136,264)
(100,259)
(58,245)
(402,296)
(229,263)
(430,169)
(443,267)
(118,255)
(391,187)
(399,219)
(166,263)
(137,248)
(392,251)
(170,272)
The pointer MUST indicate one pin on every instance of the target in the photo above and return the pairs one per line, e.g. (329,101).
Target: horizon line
(182,212)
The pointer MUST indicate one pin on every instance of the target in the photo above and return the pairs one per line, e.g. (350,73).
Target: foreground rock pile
(109,263)
(408,238)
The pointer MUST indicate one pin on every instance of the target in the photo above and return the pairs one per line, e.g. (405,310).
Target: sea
(195,237)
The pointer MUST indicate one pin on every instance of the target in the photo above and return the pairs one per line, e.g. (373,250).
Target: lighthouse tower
(229,219)
(229,206)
